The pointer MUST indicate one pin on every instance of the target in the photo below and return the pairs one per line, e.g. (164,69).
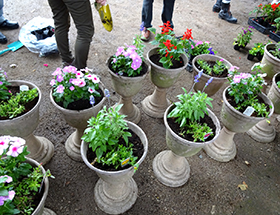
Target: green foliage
(244,37)
(199,131)
(103,134)
(276,51)
(217,69)
(269,11)
(19,181)
(4,94)
(258,48)
(278,84)
(189,110)
(15,105)
(277,24)
(202,48)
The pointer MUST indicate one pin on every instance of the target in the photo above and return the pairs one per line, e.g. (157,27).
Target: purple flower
(107,93)
(142,26)
(210,51)
(1,82)
(60,89)
(91,100)
(209,81)
(59,78)
(136,63)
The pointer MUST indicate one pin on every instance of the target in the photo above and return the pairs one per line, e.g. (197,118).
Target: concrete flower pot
(171,166)
(155,105)
(223,149)
(217,82)
(41,149)
(127,87)
(116,191)
(78,120)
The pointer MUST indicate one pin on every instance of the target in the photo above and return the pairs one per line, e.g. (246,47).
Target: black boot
(217,7)
(3,39)
(226,14)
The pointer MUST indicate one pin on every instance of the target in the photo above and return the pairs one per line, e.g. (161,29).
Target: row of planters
(109,141)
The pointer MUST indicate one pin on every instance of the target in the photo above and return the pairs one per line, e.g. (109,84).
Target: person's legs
(1,11)
(147,13)
(167,11)
(81,13)
(62,24)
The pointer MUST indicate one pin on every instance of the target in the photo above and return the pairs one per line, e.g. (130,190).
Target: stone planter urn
(116,191)
(78,120)
(127,87)
(217,82)
(264,132)
(171,166)
(223,149)
(41,149)
(41,210)
(155,105)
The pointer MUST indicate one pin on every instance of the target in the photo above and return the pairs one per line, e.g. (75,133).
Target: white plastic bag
(45,46)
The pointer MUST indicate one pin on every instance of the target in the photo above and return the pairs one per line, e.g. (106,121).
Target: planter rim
(84,156)
(271,46)
(75,111)
(34,108)
(159,67)
(183,140)
(216,56)
(241,114)
(129,78)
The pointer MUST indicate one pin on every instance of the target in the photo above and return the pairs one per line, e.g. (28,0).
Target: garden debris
(13,65)
(243,186)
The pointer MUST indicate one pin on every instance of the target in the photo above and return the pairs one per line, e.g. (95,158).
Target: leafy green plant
(245,87)
(276,51)
(278,84)
(128,59)
(19,181)
(188,112)
(244,37)
(201,47)
(218,68)
(277,24)
(71,85)
(4,93)
(258,48)
(171,48)
(15,105)
(103,135)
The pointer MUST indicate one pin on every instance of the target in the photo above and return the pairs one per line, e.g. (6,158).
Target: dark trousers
(166,15)
(81,12)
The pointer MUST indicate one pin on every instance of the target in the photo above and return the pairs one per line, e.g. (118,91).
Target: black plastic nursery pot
(274,36)
(260,25)
(251,57)
(237,47)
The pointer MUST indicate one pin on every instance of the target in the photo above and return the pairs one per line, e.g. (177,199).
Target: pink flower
(91,90)
(93,78)
(60,89)
(8,180)
(57,72)
(70,69)
(72,88)
(59,78)
(52,82)
(4,143)
(79,82)
(10,196)
(46,65)
(15,149)
(79,74)
(119,51)
(233,68)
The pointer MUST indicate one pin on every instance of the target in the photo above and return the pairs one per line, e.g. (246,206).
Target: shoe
(217,7)
(226,14)
(145,35)
(8,25)
(3,39)
(64,63)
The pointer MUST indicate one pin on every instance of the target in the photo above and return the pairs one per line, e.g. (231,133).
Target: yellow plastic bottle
(105,15)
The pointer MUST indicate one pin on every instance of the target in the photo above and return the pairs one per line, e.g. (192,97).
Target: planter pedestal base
(155,105)
(41,149)
(73,145)
(262,132)
(170,169)
(129,109)
(48,212)
(115,198)
(223,149)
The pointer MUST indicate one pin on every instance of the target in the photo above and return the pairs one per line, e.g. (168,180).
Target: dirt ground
(213,186)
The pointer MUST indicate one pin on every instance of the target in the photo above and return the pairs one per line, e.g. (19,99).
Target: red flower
(168,44)
(187,35)
(274,6)
(260,5)
(165,27)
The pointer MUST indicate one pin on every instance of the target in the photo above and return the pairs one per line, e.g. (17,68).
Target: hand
(102,2)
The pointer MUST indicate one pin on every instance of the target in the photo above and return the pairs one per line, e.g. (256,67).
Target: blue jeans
(81,12)
(2,19)
(166,15)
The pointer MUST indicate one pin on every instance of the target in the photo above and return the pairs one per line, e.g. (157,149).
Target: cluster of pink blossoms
(79,80)
(129,52)
(14,146)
